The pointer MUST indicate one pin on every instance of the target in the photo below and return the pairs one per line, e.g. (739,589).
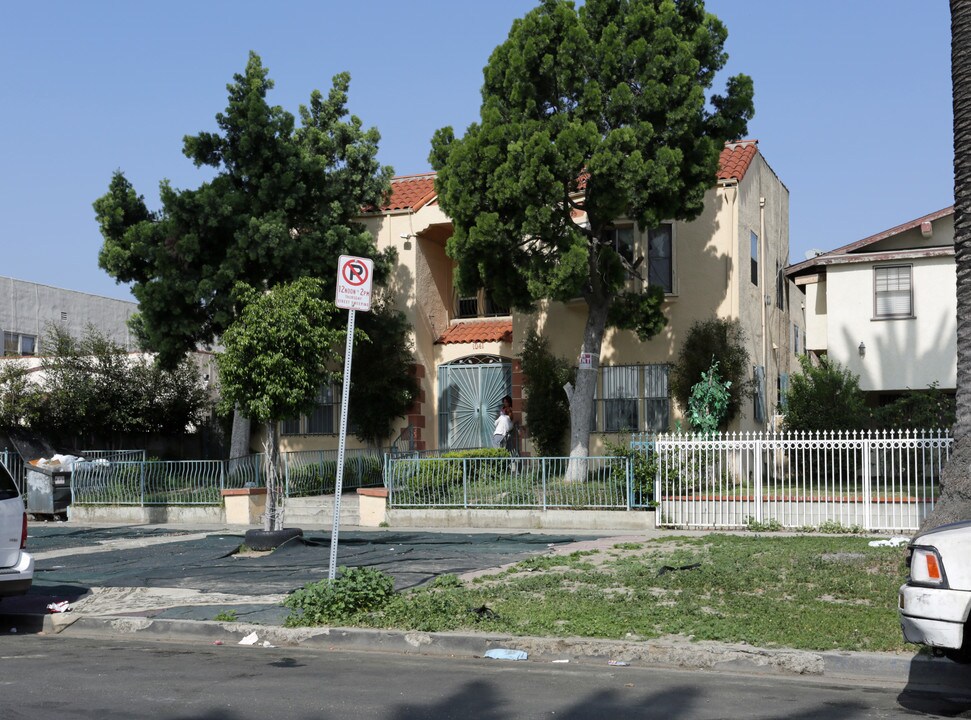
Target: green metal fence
(183,482)
(200,482)
(314,472)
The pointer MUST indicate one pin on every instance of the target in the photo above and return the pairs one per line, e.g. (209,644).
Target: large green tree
(954,502)
(283,203)
(277,355)
(588,115)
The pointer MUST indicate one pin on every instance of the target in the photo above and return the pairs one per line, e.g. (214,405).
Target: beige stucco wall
(712,279)
(907,353)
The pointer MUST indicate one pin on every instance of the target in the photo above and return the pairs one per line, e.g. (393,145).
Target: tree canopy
(277,355)
(92,388)
(282,204)
(588,116)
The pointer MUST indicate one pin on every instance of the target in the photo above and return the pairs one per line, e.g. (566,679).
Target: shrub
(708,341)
(354,591)
(825,397)
(547,407)
(918,409)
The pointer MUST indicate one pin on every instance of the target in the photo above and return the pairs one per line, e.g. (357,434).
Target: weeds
(814,593)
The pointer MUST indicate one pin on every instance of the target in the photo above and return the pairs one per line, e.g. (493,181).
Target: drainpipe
(763,241)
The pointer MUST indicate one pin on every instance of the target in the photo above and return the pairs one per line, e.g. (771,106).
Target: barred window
(322,420)
(632,398)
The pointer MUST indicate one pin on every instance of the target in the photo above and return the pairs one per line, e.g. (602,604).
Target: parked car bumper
(933,616)
(17,580)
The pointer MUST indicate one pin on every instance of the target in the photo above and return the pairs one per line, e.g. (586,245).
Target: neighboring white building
(27,308)
(885,307)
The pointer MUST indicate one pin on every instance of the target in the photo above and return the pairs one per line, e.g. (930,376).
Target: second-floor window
(660,252)
(660,257)
(755,258)
(893,295)
(19,344)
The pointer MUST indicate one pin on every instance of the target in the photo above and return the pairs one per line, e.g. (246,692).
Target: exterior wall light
(862,350)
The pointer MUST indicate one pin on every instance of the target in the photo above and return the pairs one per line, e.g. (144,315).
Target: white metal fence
(874,480)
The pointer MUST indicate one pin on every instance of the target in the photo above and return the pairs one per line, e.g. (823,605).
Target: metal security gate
(470,394)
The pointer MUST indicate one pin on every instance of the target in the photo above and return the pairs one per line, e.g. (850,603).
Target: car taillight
(926,567)
(23,533)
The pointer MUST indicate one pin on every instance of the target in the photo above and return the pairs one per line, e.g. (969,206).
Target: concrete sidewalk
(169,582)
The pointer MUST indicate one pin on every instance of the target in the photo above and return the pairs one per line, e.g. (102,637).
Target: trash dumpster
(48,490)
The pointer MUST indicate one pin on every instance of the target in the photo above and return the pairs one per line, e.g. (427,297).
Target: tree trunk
(581,402)
(955,500)
(273,519)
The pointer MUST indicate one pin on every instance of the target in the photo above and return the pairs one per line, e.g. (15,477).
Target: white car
(935,603)
(16,565)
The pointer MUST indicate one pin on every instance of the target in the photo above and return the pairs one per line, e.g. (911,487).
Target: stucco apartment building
(728,263)
(28,308)
(885,307)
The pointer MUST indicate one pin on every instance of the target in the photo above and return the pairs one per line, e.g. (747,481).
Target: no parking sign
(354,277)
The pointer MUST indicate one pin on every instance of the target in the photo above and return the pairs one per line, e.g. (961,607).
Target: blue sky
(852,101)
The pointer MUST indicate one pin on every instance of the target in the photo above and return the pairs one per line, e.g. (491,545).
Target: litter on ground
(506,654)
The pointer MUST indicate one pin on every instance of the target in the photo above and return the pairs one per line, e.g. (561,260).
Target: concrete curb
(740,659)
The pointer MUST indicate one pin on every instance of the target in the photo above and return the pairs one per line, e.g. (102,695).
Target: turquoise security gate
(470,393)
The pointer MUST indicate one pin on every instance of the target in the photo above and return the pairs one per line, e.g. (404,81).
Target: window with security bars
(893,291)
(632,398)
(322,420)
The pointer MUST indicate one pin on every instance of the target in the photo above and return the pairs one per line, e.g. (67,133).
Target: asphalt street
(169,583)
(74,679)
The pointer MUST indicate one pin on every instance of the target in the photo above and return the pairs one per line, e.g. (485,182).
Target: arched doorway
(470,393)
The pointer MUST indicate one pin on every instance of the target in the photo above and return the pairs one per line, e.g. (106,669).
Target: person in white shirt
(503,427)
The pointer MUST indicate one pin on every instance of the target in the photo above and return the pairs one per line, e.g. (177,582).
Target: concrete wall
(28,308)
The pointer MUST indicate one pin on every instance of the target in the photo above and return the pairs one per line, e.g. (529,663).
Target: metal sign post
(354,276)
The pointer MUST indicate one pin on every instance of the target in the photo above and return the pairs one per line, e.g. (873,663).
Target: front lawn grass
(808,592)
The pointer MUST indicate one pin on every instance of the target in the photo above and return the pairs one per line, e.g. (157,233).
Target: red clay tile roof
(477,331)
(735,159)
(411,192)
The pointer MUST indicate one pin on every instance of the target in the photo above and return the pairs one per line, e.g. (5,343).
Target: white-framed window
(893,291)
(755,257)
(660,252)
(632,398)
(660,257)
(19,344)
(796,345)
